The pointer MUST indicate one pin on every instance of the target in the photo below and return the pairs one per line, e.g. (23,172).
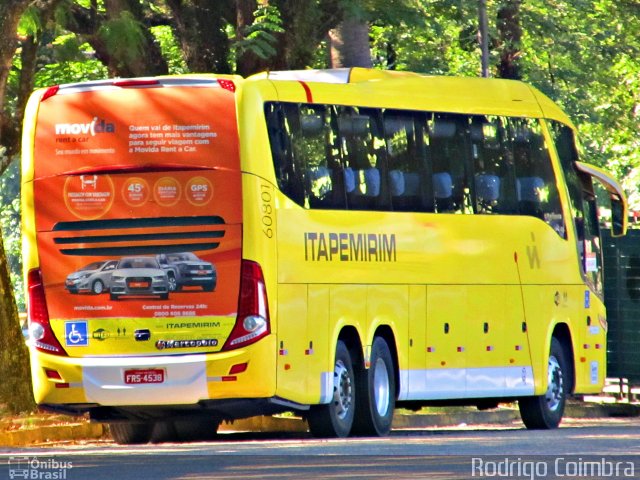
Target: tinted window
(536,188)
(493,168)
(583,205)
(344,157)
(408,166)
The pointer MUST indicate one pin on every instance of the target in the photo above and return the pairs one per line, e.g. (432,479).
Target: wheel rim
(381,387)
(172,284)
(555,388)
(97,287)
(342,390)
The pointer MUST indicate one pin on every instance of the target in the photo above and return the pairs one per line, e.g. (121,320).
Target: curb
(53,433)
(86,431)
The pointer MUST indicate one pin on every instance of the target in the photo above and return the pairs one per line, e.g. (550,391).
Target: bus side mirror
(618,218)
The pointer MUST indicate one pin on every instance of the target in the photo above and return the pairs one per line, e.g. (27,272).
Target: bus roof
(408,90)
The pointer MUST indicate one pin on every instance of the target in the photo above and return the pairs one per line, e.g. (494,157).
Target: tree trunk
(149,61)
(483,37)
(349,44)
(10,13)
(510,38)
(15,387)
(200,30)
(299,43)
(248,62)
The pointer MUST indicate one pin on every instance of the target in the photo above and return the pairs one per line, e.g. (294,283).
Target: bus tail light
(227,84)
(252,322)
(41,335)
(50,92)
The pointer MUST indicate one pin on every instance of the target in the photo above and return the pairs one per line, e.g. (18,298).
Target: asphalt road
(607,448)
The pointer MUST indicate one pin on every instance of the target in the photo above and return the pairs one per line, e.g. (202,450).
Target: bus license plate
(149,375)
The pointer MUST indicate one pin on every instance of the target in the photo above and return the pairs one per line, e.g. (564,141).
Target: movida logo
(97,125)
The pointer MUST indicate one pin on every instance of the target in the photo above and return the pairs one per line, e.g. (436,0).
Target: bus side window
(360,149)
(448,155)
(536,187)
(404,160)
(494,177)
(280,119)
(312,144)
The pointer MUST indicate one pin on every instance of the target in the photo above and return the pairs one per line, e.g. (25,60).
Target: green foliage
(124,37)
(258,37)
(435,37)
(170,49)
(585,55)
(10,226)
(30,22)
(69,71)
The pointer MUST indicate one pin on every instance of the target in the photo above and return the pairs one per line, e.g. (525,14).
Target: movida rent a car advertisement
(138,216)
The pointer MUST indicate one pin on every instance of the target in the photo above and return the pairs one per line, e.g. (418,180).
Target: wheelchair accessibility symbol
(75,334)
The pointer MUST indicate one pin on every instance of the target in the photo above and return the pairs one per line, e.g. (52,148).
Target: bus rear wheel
(185,430)
(335,419)
(376,393)
(544,412)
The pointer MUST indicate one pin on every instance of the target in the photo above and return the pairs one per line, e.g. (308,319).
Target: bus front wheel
(335,419)
(376,393)
(545,411)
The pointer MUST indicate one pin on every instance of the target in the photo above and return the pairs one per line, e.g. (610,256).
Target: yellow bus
(337,243)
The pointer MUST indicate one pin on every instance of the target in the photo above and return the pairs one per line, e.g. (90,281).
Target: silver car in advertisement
(94,278)
(139,276)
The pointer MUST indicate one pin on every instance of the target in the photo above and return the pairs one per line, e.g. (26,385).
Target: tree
(510,37)
(119,34)
(15,391)
(10,13)
(305,24)
(203,52)
(349,42)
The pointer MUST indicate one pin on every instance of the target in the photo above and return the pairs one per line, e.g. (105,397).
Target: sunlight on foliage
(10,225)
(170,49)
(30,22)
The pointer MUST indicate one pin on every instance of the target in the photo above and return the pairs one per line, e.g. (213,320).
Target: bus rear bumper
(229,409)
(154,380)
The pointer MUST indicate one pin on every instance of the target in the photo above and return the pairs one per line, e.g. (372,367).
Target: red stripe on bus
(307,91)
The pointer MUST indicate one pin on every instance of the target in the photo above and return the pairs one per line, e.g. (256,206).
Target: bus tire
(196,430)
(128,433)
(545,412)
(376,393)
(335,419)
(185,430)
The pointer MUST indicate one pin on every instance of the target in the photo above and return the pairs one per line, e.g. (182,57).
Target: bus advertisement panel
(138,216)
